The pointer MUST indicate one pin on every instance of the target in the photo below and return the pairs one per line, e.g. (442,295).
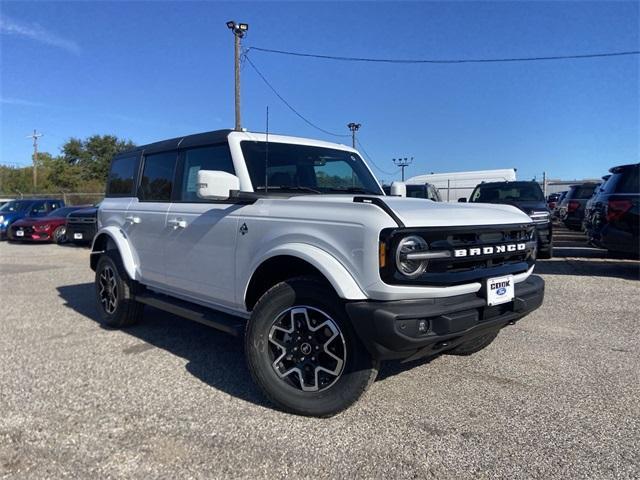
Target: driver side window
(39,208)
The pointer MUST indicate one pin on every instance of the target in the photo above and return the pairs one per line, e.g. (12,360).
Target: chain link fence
(86,198)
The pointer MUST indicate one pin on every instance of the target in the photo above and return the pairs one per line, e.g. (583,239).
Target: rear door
(145,223)
(200,247)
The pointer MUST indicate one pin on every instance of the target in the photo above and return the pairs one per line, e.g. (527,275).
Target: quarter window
(120,182)
(630,181)
(157,178)
(216,157)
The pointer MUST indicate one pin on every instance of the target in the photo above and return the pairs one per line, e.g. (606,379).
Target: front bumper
(545,235)
(392,329)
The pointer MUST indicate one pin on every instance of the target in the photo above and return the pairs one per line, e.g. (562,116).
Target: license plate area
(500,290)
(77,236)
(19,233)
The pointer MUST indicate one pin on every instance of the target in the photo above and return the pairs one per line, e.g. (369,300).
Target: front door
(201,245)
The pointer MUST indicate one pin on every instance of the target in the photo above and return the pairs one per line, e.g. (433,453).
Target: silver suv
(292,243)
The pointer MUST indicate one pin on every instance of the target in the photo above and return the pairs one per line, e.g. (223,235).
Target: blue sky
(153,70)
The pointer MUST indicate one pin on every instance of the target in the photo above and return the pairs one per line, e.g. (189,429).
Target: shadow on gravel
(626,270)
(214,357)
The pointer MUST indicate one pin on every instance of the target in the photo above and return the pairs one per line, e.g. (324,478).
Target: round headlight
(411,268)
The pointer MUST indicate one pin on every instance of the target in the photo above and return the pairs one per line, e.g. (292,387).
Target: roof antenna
(266,157)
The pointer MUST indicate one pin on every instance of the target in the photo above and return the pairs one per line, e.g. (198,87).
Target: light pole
(354,127)
(239,30)
(35,135)
(403,163)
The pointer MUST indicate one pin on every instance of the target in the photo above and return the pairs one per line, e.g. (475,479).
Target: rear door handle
(132,219)
(177,223)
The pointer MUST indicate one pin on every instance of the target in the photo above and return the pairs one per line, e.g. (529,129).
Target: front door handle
(132,219)
(177,223)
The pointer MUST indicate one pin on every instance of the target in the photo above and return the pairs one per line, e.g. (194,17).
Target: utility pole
(239,30)
(403,163)
(544,184)
(35,135)
(354,127)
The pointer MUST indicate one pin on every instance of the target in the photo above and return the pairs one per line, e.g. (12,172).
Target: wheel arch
(295,260)
(111,238)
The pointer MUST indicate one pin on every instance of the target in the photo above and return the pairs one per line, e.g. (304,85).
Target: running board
(191,311)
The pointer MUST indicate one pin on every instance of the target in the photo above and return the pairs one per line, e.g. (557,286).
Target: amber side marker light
(382,254)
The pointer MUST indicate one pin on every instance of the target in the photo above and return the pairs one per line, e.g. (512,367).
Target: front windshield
(61,212)
(304,168)
(508,192)
(15,206)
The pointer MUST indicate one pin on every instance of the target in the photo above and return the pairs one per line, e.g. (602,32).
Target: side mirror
(215,184)
(398,189)
(462,200)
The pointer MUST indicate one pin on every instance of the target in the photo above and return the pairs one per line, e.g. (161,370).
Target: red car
(49,228)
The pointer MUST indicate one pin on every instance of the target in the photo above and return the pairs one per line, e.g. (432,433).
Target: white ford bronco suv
(292,243)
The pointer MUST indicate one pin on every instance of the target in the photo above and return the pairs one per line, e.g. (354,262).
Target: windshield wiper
(291,187)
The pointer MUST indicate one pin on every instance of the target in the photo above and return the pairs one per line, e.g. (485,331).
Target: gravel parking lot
(555,396)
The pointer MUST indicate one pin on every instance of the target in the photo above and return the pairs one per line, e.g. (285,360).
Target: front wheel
(114,293)
(60,235)
(302,351)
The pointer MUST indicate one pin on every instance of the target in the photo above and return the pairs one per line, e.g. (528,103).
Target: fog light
(423,326)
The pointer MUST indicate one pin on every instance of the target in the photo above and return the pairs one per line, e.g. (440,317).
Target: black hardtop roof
(619,168)
(197,139)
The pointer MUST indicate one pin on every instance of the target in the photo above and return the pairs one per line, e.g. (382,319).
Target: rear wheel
(114,293)
(60,234)
(302,351)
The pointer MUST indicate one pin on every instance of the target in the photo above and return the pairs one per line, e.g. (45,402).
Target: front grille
(81,219)
(455,270)
(88,230)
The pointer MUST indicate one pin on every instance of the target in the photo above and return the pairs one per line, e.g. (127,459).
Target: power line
(246,57)
(460,60)
(371,160)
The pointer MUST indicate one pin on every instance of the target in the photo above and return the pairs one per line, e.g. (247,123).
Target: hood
(526,206)
(419,212)
(26,221)
(415,212)
(84,212)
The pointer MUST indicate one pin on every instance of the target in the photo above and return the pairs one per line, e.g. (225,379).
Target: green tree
(93,155)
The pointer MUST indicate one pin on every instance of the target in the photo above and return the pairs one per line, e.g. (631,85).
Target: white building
(455,185)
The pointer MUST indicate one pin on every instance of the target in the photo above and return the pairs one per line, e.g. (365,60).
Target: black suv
(573,204)
(614,217)
(528,197)
(82,225)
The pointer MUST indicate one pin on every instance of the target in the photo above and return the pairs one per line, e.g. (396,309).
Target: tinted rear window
(122,175)
(508,192)
(630,181)
(582,192)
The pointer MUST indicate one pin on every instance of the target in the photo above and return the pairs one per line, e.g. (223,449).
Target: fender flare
(337,275)
(128,256)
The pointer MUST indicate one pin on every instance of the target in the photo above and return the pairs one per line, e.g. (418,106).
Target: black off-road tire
(474,345)
(310,295)
(126,311)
